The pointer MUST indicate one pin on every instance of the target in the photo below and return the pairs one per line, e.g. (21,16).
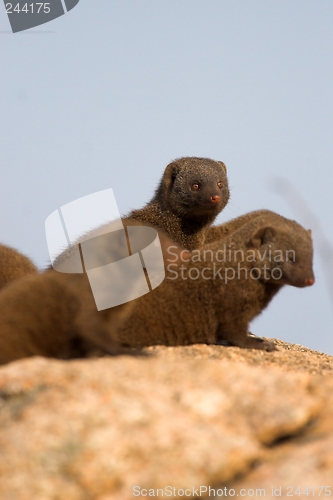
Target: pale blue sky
(120,88)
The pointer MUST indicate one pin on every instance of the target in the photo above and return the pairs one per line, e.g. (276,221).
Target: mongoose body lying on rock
(209,300)
(13,265)
(204,301)
(192,192)
(54,314)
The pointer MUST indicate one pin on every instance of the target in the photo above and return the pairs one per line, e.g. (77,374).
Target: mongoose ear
(310,232)
(170,173)
(223,166)
(262,236)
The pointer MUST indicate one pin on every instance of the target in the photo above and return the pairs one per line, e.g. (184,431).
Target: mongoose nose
(215,198)
(309,281)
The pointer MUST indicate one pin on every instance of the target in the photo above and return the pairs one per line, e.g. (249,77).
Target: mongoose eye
(220,184)
(195,186)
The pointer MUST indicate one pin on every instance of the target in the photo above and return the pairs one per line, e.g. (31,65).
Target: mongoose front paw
(250,341)
(265,345)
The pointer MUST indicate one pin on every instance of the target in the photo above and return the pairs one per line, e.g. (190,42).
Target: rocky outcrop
(179,418)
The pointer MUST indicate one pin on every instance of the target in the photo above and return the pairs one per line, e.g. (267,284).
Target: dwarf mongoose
(13,265)
(54,314)
(191,193)
(214,296)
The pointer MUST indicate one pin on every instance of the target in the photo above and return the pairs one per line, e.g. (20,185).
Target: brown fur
(185,311)
(184,213)
(54,314)
(13,265)
(216,233)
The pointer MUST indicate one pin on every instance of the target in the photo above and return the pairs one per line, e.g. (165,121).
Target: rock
(290,357)
(302,466)
(180,417)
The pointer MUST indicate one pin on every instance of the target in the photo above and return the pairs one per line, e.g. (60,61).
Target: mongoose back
(221,231)
(13,265)
(54,314)
(190,195)
(215,295)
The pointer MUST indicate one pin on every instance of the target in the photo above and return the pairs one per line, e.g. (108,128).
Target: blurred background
(111,92)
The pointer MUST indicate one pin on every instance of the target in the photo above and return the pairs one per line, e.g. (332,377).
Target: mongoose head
(192,187)
(285,249)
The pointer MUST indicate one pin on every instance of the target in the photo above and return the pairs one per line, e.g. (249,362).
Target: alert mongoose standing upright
(13,265)
(191,193)
(223,287)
